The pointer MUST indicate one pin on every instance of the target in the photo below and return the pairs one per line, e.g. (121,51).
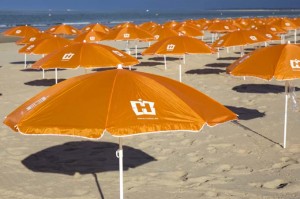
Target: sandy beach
(235,160)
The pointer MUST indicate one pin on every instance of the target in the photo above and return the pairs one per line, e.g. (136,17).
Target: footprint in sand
(285,161)
(274,184)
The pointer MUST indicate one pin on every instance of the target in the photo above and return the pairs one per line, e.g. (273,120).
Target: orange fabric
(189,30)
(284,23)
(96,27)
(128,32)
(85,55)
(148,25)
(45,46)
(32,38)
(240,38)
(178,45)
(119,101)
(222,26)
(90,36)
(63,29)
(162,32)
(21,31)
(281,62)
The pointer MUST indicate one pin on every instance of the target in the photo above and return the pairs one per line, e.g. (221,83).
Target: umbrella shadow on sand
(260,88)
(85,157)
(248,114)
(205,71)
(39,70)
(43,82)
(218,65)
(167,58)
(228,58)
(23,62)
(245,113)
(150,64)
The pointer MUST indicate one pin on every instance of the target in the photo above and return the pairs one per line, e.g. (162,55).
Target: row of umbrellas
(124,102)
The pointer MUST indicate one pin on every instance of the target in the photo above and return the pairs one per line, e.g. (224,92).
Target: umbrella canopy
(149,103)
(162,32)
(32,38)
(21,31)
(189,30)
(120,102)
(221,27)
(148,25)
(63,29)
(240,38)
(178,45)
(128,32)
(88,55)
(45,46)
(90,36)
(281,62)
(96,27)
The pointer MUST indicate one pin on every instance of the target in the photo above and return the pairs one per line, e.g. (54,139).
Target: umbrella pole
(165,59)
(242,51)
(285,113)
(43,73)
(295,36)
(183,58)
(25,58)
(135,50)
(180,72)
(119,155)
(55,75)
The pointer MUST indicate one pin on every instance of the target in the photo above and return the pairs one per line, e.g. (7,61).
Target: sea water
(79,19)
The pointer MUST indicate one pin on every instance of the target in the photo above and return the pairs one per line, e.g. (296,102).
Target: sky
(155,5)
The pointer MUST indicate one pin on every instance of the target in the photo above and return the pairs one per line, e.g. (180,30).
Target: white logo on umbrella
(273,29)
(253,38)
(18,31)
(287,24)
(170,47)
(142,107)
(156,36)
(118,53)
(30,47)
(294,63)
(34,104)
(226,27)
(32,39)
(67,56)
(92,38)
(126,35)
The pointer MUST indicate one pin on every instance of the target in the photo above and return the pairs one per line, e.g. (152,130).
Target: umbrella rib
(110,98)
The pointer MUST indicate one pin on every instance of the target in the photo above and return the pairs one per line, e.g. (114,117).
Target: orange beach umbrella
(178,45)
(240,38)
(90,36)
(87,55)
(127,32)
(32,38)
(21,31)
(44,46)
(281,62)
(63,29)
(119,102)
(96,27)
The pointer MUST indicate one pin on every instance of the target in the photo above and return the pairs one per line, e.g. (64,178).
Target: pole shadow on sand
(85,157)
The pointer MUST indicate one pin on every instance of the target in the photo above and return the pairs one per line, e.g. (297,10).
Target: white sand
(232,161)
